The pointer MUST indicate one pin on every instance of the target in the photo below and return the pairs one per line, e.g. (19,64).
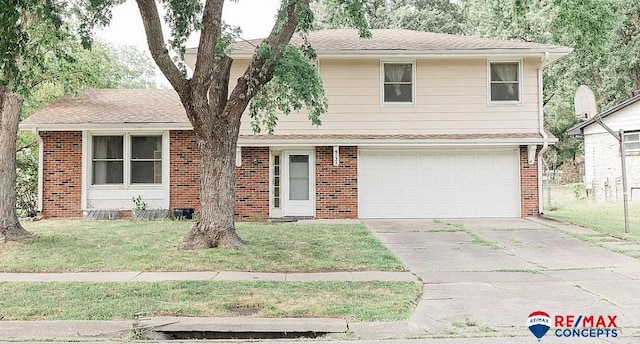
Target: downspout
(40,170)
(543,133)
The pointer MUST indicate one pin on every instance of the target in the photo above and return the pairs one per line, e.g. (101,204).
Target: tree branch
(156,43)
(30,145)
(261,69)
(548,99)
(219,89)
(211,26)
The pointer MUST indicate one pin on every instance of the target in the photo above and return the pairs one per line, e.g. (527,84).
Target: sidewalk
(122,330)
(139,276)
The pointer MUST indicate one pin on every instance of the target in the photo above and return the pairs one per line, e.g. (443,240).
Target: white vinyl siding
(450,98)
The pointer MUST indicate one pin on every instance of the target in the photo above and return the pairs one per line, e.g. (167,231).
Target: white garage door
(438,184)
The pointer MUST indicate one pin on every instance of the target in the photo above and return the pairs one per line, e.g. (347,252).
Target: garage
(438,183)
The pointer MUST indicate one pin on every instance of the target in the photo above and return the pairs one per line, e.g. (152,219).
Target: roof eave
(554,53)
(496,142)
(138,126)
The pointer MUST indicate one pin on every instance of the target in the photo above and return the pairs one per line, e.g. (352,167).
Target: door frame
(285,203)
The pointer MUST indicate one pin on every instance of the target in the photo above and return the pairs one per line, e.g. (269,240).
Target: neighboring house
(420,125)
(602,166)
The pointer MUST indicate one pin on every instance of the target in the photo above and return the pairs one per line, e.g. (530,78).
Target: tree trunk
(10,228)
(215,226)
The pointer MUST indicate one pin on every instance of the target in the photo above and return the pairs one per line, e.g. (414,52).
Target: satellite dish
(585,103)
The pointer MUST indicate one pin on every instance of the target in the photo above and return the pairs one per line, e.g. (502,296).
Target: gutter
(249,142)
(40,170)
(427,54)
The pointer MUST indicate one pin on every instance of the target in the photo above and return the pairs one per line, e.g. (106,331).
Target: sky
(254,17)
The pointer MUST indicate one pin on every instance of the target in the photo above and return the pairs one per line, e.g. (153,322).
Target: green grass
(124,245)
(606,218)
(358,301)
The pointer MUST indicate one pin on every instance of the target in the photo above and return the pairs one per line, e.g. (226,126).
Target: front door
(298,192)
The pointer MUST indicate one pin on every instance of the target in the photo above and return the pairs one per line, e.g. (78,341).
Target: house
(602,166)
(420,125)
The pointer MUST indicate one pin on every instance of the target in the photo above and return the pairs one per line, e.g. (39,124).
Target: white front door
(298,192)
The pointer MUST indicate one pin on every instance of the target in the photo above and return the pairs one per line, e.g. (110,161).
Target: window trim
(624,141)
(413,83)
(126,184)
(93,160)
(520,83)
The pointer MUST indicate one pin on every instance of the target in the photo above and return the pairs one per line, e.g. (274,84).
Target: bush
(27,177)
(579,191)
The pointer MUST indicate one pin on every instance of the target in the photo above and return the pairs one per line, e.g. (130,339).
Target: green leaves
(423,15)
(296,84)
(184,18)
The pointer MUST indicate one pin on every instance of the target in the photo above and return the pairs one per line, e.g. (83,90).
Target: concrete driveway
(485,276)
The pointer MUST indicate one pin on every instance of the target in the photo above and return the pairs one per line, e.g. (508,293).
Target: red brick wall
(252,178)
(184,167)
(528,184)
(62,185)
(337,186)
(252,185)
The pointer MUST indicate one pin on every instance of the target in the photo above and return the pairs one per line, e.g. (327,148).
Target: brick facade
(252,178)
(252,185)
(529,205)
(184,167)
(603,169)
(62,173)
(337,186)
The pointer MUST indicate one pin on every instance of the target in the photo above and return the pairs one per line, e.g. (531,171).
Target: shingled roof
(112,106)
(346,41)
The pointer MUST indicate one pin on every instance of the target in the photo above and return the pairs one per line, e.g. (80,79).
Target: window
(299,177)
(398,83)
(146,159)
(505,81)
(108,160)
(632,141)
(111,157)
(276,181)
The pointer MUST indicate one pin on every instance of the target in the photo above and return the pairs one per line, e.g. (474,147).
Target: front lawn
(358,301)
(606,217)
(125,245)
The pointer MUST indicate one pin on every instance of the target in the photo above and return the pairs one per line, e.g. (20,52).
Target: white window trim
(625,141)
(413,83)
(126,184)
(273,211)
(520,78)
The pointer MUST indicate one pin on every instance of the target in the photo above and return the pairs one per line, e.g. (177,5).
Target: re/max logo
(608,321)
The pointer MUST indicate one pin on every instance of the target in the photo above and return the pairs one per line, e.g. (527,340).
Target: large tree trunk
(215,226)
(10,228)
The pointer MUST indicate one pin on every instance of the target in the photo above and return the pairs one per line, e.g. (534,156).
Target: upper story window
(139,155)
(398,83)
(632,141)
(505,82)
